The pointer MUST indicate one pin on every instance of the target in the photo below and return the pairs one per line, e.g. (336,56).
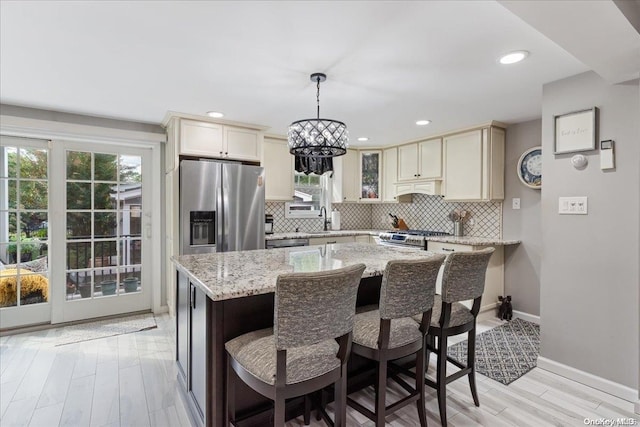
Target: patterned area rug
(504,353)
(105,328)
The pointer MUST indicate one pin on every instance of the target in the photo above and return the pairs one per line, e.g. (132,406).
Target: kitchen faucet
(326,221)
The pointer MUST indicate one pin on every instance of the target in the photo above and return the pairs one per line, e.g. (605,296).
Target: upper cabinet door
(242,144)
(201,139)
(278,170)
(371,175)
(474,165)
(430,154)
(463,166)
(390,174)
(408,162)
(420,160)
(350,169)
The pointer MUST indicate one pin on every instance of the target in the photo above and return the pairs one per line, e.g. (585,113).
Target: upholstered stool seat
(256,353)
(389,333)
(366,330)
(460,314)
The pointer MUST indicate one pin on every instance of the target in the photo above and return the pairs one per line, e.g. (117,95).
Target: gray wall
(589,267)
(522,262)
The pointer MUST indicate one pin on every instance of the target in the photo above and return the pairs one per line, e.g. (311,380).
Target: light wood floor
(130,380)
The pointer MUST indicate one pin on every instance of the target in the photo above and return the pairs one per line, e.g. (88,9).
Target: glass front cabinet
(370,175)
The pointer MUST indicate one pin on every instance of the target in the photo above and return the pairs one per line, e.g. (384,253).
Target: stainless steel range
(415,238)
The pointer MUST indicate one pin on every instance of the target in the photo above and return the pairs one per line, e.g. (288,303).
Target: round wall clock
(530,167)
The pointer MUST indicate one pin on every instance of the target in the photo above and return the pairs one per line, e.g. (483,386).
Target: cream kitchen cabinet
(494,282)
(221,141)
(474,165)
(370,177)
(278,166)
(331,239)
(190,135)
(345,179)
(432,188)
(389,174)
(420,160)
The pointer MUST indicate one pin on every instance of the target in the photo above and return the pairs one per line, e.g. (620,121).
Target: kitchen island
(221,296)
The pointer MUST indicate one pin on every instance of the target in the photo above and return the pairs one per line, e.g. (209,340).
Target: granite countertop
(228,275)
(330,233)
(462,240)
(475,241)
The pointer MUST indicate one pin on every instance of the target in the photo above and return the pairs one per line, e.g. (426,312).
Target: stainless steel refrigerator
(221,207)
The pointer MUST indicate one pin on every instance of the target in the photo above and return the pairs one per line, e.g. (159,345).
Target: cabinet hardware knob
(448,250)
(226,153)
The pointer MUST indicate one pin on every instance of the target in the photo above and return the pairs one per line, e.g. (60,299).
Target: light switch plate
(572,205)
(515,203)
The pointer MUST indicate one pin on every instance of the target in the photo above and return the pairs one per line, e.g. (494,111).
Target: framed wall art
(575,131)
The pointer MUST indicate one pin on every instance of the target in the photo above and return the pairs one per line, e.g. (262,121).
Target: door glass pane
(106,167)
(105,224)
(78,165)
(370,175)
(130,169)
(12,193)
(78,255)
(33,194)
(130,280)
(130,221)
(104,196)
(33,163)
(9,283)
(79,225)
(35,224)
(130,252)
(34,288)
(78,195)
(11,169)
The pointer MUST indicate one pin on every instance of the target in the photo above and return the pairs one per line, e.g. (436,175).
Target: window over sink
(311,192)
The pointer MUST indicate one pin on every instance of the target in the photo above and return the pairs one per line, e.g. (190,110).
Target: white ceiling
(389,63)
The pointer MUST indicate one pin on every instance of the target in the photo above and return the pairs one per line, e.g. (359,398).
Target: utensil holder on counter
(458,229)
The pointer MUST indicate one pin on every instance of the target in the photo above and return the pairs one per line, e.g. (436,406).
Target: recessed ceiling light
(363,138)
(423,122)
(215,114)
(513,57)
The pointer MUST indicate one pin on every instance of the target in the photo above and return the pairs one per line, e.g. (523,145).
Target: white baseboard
(526,316)
(161,310)
(602,384)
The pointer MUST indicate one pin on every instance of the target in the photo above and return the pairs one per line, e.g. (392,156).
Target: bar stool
(389,333)
(463,278)
(308,347)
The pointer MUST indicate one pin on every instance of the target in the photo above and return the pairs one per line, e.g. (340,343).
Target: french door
(25,288)
(102,232)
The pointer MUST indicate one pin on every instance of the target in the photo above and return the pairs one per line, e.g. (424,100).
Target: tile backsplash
(425,212)
(431,213)
(353,216)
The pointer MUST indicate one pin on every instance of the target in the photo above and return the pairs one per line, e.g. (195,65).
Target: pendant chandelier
(318,137)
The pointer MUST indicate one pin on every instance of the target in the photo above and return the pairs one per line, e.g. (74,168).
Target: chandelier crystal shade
(318,137)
